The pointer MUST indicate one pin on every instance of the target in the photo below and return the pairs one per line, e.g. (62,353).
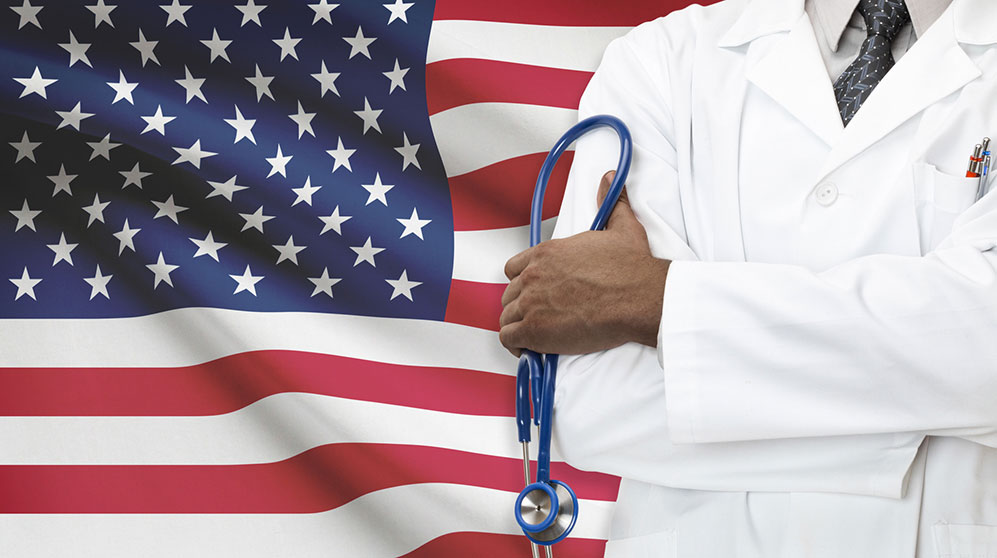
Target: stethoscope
(547,509)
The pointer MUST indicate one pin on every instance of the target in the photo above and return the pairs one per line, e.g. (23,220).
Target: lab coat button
(826,194)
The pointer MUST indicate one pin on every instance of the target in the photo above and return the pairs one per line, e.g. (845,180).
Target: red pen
(974,162)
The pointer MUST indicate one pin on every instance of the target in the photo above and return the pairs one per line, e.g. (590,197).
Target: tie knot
(884,18)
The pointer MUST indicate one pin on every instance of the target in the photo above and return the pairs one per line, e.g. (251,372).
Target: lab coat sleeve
(610,410)
(878,344)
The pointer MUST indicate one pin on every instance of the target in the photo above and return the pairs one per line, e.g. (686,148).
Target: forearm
(882,344)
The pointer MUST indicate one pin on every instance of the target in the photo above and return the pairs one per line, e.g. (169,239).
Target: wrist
(647,314)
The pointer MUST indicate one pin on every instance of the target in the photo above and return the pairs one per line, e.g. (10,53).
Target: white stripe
(477,135)
(570,48)
(269,430)
(382,524)
(481,255)
(195,335)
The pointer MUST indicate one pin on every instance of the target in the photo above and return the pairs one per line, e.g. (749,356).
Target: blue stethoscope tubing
(547,509)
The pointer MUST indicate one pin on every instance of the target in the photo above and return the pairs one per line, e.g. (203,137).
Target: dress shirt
(840,29)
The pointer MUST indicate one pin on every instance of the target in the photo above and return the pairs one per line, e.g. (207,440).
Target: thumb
(622,216)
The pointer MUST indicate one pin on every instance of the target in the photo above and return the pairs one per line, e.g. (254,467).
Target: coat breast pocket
(939,199)
(965,541)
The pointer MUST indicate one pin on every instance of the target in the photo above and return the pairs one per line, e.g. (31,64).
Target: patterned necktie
(883,20)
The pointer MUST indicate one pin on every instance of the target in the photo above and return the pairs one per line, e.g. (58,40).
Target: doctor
(791,321)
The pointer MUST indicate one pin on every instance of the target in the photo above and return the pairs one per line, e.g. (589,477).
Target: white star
(342,156)
(225,189)
(122,89)
(29,14)
(98,284)
(26,285)
(278,163)
(63,250)
(134,176)
(255,220)
(247,281)
(398,10)
(407,152)
(287,44)
(322,10)
(324,283)
(25,216)
(334,221)
(288,251)
(62,181)
(402,286)
(157,121)
(243,127)
(96,210)
(327,80)
(217,46)
(303,120)
(397,77)
(360,44)
(101,14)
(77,51)
(25,148)
(250,12)
(72,117)
(192,154)
(146,48)
(126,238)
(102,148)
(175,12)
(168,209)
(366,253)
(369,116)
(377,190)
(162,271)
(208,246)
(261,83)
(192,85)
(414,225)
(35,84)
(304,194)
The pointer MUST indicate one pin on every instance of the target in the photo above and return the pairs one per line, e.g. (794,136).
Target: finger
(510,337)
(604,183)
(512,291)
(511,314)
(622,215)
(518,263)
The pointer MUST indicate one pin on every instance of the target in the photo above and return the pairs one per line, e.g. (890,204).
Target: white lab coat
(825,383)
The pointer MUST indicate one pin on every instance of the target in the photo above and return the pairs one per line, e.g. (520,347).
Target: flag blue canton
(219,155)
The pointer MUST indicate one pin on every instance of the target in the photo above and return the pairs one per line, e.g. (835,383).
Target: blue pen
(984,168)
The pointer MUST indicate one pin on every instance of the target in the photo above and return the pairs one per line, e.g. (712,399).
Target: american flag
(251,263)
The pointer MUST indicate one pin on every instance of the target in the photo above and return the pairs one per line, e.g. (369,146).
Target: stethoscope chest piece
(547,511)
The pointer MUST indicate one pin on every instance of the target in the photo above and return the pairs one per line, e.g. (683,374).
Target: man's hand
(592,291)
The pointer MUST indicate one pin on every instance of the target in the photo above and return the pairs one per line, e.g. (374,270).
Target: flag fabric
(251,257)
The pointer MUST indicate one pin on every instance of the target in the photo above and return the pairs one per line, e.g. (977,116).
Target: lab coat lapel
(790,70)
(933,68)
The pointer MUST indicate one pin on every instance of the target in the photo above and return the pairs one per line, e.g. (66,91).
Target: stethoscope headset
(547,509)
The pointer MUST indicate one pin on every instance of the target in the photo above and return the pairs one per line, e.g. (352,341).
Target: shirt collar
(833,16)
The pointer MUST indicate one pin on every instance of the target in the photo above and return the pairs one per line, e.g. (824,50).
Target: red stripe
(319,479)
(475,304)
(452,83)
(560,12)
(494,545)
(500,195)
(231,383)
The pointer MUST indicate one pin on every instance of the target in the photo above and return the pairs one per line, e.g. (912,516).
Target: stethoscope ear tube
(547,509)
(569,137)
(523,398)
